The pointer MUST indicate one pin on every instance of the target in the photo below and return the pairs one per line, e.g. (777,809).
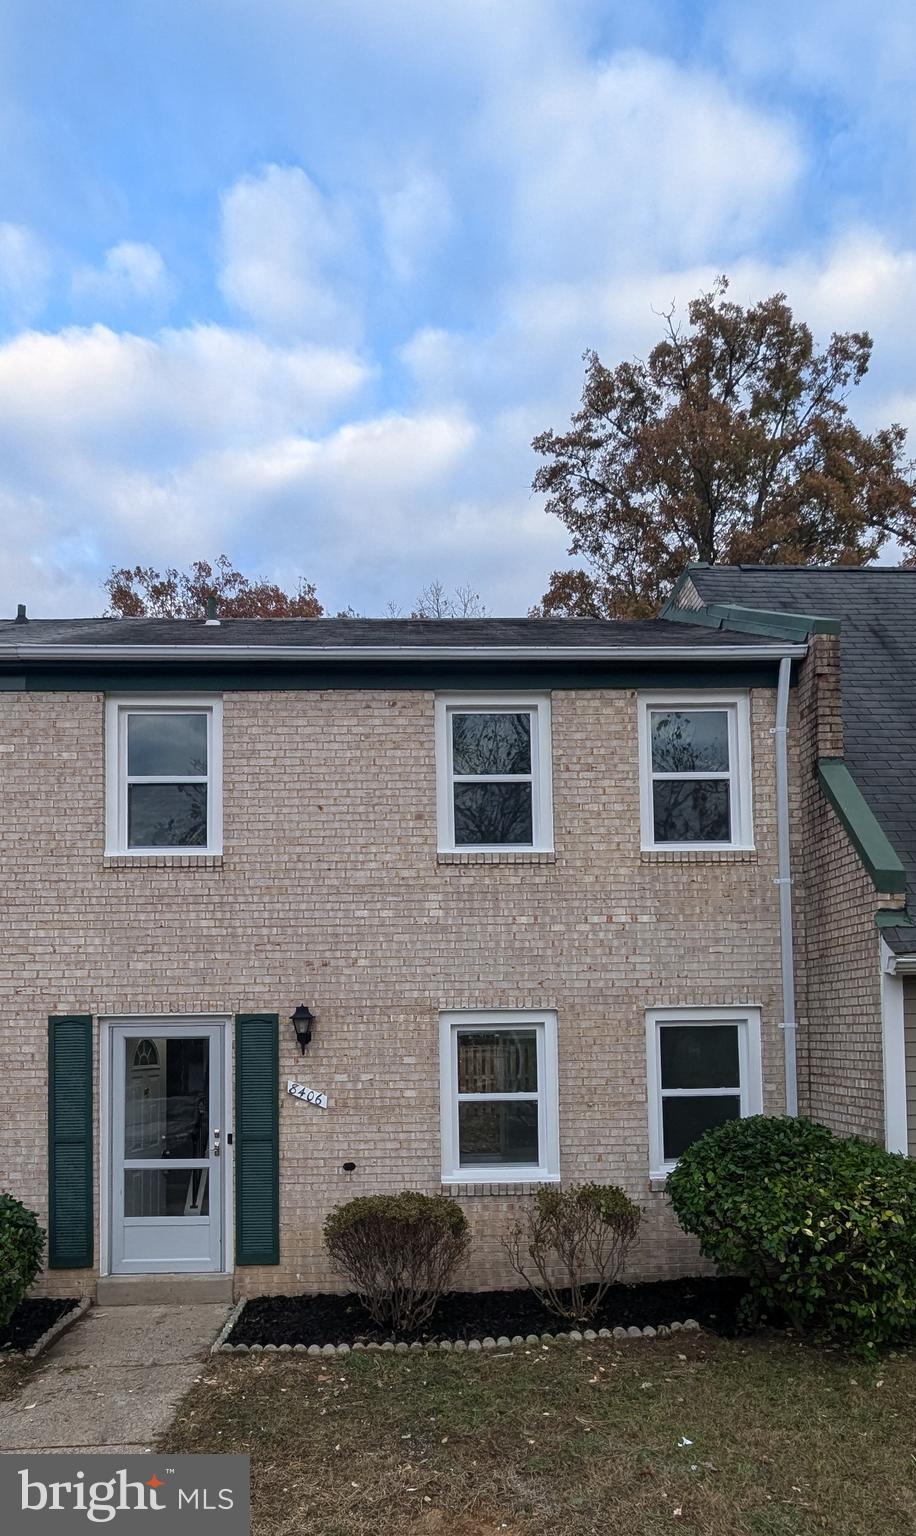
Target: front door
(167,1148)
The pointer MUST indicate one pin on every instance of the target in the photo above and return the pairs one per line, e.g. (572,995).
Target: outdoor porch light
(302,1021)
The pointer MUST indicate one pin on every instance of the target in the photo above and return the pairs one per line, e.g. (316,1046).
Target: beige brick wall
(330,893)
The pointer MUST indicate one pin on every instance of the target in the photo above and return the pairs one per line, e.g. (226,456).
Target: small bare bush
(576,1242)
(399,1251)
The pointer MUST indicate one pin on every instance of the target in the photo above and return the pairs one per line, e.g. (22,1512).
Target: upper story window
(695,770)
(494,773)
(704,1068)
(164,775)
(499,1096)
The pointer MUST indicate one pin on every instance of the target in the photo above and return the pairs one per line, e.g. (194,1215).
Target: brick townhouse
(502,901)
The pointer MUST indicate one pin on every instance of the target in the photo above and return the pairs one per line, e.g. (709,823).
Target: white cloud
(416,217)
(288,256)
(635,159)
(170,395)
(131,272)
(25,273)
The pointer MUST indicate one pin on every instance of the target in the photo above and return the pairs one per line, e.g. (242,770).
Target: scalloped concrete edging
(447,1346)
(220,1341)
(65,1321)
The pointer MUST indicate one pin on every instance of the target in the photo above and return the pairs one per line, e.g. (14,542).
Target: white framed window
(164,775)
(703,1069)
(498,1087)
(493,765)
(695,770)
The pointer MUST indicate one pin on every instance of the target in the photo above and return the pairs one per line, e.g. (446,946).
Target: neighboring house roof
(876,608)
(36,636)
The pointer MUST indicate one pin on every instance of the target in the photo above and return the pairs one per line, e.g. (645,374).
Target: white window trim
(538,705)
(749,1066)
(737,704)
(117,707)
(545,1021)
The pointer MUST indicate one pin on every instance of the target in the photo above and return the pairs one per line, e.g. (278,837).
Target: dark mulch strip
(32,1318)
(713,1302)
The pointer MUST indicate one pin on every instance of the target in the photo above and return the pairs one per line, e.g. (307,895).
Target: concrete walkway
(113,1382)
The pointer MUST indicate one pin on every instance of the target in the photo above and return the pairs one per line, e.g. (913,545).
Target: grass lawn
(786,1440)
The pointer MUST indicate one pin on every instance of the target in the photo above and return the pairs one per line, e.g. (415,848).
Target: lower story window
(703,1069)
(499,1096)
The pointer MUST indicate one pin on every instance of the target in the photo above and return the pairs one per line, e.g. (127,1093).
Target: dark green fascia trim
(866,835)
(790,626)
(217,677)
(755,621)
(893,917)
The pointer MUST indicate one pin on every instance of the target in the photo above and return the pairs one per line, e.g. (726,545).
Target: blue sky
(300,281)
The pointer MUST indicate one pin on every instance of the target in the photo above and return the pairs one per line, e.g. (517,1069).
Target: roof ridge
(833,570)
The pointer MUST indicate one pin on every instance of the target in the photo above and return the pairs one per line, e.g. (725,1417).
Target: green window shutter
(70,1244)
(257,1139)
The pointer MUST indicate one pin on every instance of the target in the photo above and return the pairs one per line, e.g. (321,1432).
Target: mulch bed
(712,1302)
(32,1318)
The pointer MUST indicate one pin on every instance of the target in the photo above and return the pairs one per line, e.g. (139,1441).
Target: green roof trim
(893,917)
(866,835)
(755,621)
(794,626)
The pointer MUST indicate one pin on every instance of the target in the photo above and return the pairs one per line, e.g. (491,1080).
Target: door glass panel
(166,1192)
(166,1097)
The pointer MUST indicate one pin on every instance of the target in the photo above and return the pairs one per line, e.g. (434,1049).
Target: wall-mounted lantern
(302,1020)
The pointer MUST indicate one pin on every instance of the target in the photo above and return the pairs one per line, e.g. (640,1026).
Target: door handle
(216,1142)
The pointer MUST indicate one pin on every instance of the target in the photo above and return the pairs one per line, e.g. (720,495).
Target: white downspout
(784,882)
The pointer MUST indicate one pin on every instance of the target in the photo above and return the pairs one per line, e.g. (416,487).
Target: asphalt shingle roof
(318,633)
(877,611)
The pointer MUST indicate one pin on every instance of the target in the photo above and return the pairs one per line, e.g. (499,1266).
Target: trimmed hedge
(823,1226)
(21,1246)
(400,1251)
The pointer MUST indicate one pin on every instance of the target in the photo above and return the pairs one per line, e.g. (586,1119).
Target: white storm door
(167,1148)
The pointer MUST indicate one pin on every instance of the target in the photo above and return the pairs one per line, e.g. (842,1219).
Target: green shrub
(823,1226)
(21,1245)
(577,1240)
(400,1252)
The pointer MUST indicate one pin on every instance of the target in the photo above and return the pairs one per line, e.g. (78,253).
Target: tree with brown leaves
(146,593)
(732,443)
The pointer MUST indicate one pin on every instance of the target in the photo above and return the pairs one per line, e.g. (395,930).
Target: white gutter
(789,1025)
(400,652)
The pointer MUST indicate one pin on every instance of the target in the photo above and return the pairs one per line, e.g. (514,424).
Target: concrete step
(164,1290)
